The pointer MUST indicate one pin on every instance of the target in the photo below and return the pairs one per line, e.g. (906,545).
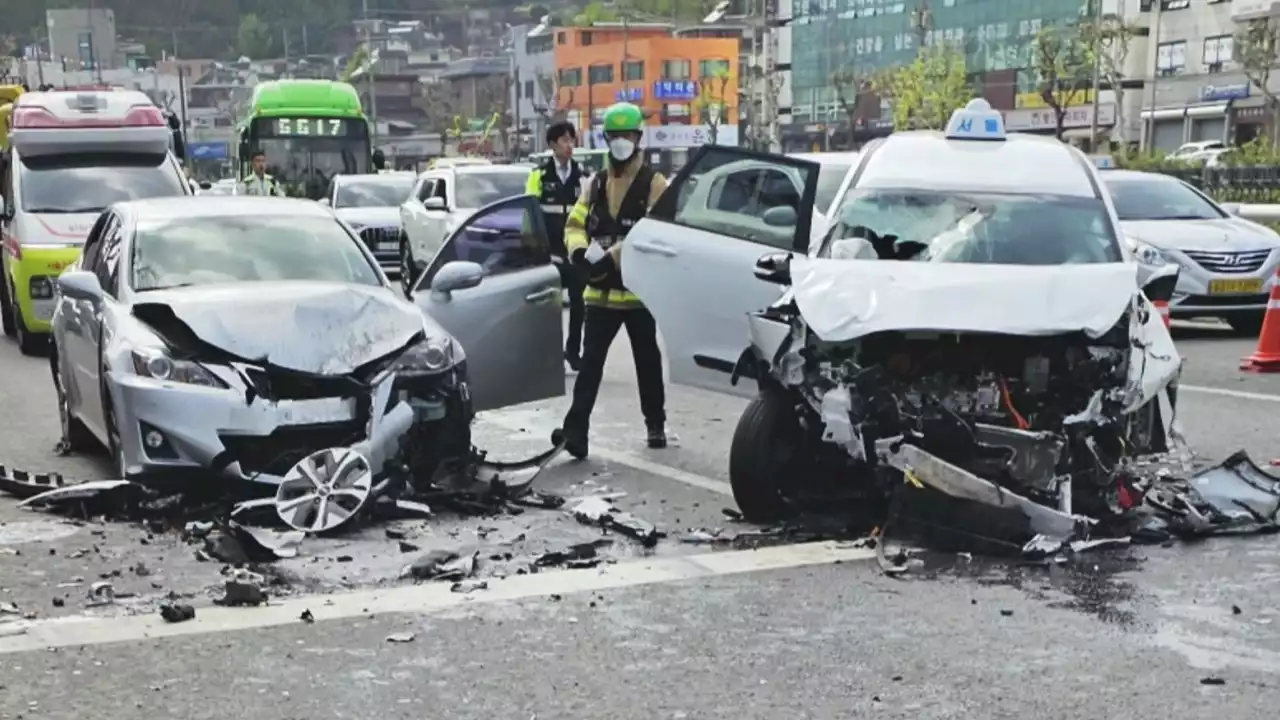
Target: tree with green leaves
(926,91)
(253,38)
(1063,63)
(713,99)
(851,87)
(1256,46)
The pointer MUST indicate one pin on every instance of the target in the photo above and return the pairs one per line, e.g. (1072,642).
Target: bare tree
(713,101)
(1255,50)
(851,88)
(1109,39)
(550,105)
(440,102)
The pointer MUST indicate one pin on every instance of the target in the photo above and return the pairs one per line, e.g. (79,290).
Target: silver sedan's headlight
(1148,254)
(432,355)
(156,364)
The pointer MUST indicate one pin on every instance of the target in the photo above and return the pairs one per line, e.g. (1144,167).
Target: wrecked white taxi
(970,322)
(256,339)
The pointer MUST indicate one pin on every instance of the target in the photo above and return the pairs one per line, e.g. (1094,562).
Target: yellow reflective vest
(575,227)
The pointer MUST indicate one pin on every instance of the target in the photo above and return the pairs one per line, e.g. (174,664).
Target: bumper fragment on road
(26,636)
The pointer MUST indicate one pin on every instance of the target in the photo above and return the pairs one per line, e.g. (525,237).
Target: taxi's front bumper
(32,278)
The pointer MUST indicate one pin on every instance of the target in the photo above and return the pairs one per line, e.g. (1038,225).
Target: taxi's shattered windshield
(962,227)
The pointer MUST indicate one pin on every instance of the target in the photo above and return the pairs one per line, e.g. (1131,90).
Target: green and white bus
(309,130)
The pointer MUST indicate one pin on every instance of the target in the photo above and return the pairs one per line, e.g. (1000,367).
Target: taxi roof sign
(976,121)
(1103,162)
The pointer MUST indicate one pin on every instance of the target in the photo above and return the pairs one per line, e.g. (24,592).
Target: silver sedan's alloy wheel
(324,490)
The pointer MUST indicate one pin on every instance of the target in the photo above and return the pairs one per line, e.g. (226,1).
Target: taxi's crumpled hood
(313,327)
(843,300)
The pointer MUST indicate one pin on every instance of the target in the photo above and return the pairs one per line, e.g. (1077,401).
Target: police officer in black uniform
(557,183)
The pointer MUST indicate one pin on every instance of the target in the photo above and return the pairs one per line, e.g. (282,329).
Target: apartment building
(688,87)
(533,95)
(1197,91)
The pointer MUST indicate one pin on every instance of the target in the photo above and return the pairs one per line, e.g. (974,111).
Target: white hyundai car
(971,321)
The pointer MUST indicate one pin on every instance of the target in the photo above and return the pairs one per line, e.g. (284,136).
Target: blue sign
(207,150)
(629,95)
(1221,93)
(675,89)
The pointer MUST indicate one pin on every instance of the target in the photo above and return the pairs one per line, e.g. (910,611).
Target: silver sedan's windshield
(208,250)
(972,227)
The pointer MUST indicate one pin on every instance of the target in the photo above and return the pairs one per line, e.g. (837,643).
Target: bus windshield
(303,154)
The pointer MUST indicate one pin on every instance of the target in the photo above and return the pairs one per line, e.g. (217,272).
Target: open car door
(493,287)
(692,260)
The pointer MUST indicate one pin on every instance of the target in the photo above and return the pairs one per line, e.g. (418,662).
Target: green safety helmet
(623,117)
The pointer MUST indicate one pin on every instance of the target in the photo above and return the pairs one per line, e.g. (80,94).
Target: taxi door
(692,260)
(508,315)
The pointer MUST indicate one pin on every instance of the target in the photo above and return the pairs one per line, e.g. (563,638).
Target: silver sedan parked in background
(1228,264)
(370,204)
(442,198)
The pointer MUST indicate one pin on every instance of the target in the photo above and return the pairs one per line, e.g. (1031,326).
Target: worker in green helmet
(611,204)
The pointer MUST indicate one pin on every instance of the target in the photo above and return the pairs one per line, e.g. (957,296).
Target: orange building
(676,81)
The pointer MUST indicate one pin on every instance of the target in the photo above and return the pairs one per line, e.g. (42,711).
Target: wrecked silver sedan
(970,323)
(255,339)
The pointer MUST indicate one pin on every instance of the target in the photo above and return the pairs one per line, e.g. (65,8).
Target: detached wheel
(766,457)
(407,268)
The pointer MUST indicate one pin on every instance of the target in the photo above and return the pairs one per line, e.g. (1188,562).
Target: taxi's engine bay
(1034,415)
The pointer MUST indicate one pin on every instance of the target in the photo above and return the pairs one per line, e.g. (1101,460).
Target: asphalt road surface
(806,630)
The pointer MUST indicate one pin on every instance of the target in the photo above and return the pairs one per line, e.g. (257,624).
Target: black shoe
(574,445)
(656,437)
(572,359)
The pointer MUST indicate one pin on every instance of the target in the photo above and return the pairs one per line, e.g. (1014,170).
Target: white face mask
(622,149)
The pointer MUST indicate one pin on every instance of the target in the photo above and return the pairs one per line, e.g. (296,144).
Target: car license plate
(311,412)
(1250,286)
(388,246)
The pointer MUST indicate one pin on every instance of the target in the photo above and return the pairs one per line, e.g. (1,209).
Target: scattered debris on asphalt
(243,589)
(101,593)
(598,511)
(177,613)
(403,637)
(469,586)
(307,617)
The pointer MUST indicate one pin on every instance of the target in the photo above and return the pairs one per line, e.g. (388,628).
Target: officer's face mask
(621,149)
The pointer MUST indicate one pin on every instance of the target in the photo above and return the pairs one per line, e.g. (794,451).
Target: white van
(72,154)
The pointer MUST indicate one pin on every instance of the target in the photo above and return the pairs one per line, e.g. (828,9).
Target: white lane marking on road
(527,425)
(1224,392)
(427,598)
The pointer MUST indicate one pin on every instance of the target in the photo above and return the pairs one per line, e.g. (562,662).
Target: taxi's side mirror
(774,268)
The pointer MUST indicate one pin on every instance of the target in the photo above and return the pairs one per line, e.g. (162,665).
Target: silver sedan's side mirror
(457,275)
(80,285)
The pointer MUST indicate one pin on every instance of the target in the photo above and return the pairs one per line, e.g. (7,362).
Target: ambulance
(71,155)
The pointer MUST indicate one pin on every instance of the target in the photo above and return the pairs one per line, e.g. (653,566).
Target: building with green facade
(830,36)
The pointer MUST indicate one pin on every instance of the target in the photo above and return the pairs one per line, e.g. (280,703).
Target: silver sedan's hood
(315,327)
(370,216)
(1221,235)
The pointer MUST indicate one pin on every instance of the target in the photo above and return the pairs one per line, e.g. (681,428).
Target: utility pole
(40,45)
(1097,73)
(1153,62)
(93,59)
(369,70)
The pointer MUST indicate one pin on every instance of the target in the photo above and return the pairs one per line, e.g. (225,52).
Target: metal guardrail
(1246,184)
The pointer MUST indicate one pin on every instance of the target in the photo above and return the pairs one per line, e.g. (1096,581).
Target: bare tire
(6,308)
(766,457)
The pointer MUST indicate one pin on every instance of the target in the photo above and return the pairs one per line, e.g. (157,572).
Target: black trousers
(601,327)
(573,281)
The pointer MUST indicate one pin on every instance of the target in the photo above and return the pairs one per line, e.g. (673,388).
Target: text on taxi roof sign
(976,121)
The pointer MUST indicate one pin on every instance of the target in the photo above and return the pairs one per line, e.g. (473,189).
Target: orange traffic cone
(1266,358)
(1162,307)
